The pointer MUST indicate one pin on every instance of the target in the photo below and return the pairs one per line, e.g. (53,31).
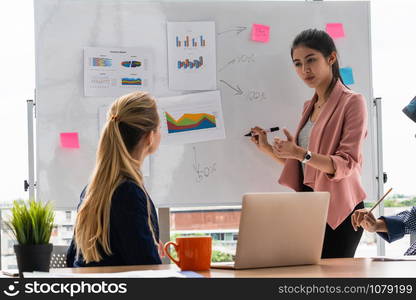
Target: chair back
(58,258)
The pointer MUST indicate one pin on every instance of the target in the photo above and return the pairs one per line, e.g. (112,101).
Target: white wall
(394,49)
(17,82)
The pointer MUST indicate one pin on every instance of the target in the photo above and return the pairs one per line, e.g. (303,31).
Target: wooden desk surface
(338,267)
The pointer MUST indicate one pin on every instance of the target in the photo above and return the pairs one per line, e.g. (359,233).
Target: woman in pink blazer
(325,154)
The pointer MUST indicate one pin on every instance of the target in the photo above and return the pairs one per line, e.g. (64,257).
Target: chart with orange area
(191,118)
(188,122)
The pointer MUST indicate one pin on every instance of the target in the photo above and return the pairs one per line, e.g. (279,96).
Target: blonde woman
(117,222)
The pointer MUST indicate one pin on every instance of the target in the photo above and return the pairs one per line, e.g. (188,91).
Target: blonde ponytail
(131,118)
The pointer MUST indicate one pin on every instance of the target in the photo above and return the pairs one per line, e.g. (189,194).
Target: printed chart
(191,54)
(188,122)
(186,42)
(117,71)
(191,118)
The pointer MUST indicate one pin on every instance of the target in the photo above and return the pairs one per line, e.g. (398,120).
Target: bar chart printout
(191,56)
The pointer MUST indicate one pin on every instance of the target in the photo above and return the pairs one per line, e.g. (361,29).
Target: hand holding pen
(365,219)
(253,133)
(259,138)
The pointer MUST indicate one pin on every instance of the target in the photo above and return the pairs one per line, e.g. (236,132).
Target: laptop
(280,229)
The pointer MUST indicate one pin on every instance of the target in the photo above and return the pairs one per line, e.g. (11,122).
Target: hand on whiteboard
(260,139)
(286,149)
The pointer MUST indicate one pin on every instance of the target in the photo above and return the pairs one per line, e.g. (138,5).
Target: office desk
(337,267)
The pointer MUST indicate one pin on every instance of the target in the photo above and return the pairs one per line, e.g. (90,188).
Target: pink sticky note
(260,33)
(69,140)
(335,30)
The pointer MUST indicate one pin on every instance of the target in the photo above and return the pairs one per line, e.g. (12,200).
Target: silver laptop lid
(281,229)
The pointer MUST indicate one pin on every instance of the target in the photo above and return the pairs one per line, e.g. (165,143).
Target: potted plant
(31,225)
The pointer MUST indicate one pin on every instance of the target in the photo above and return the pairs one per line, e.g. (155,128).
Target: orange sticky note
(260,33)
(69,140)
(335,30)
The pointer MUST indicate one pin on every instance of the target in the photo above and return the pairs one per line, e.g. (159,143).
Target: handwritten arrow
(237,29)
(229,63)
(238,90)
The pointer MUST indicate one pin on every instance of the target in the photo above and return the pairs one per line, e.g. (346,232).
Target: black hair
(320,41)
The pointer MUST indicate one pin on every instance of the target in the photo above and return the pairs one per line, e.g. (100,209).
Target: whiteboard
(257,83)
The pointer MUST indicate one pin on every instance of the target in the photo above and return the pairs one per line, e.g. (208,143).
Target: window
(68,215)
(221,223)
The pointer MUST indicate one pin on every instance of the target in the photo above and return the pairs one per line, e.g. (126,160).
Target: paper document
(191,118)
(347,75)
(7,273)
(112,72)
(130,274)
(335,30)
(394,258)
(191,55)
(260,33)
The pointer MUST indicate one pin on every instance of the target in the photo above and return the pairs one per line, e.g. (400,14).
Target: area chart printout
(116,71)
(191,118)
(191,55)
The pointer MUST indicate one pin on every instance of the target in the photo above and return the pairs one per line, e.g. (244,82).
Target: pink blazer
(338,132)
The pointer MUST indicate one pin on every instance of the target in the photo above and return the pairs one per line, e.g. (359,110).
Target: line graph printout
(191,118)
(191,53)
(116,71)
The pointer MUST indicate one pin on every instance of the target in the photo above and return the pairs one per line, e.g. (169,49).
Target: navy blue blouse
(399,225)
(131,241)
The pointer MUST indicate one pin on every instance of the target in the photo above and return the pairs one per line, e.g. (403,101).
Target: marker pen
(267,130)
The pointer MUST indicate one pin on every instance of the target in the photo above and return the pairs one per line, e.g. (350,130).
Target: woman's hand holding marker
(259,138)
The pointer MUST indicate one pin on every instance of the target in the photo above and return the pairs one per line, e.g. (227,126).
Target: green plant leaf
(31,222)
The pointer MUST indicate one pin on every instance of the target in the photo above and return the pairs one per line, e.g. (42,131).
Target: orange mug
(194,253)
